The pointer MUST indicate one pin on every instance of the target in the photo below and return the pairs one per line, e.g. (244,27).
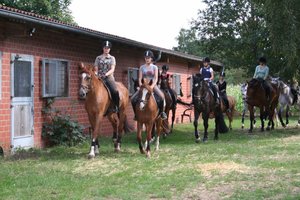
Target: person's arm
(140,76)
(155,78)
(267,73)
(255,73)
(112,67)
(96,66)
(212,74)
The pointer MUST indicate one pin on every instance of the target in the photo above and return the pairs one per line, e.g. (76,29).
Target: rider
(261,73)
(150,71)
(105,66)
(165,76)
(222,86)
(207,73)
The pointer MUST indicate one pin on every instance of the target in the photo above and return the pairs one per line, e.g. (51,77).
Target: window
(176,78)
(133,75)
(55,78)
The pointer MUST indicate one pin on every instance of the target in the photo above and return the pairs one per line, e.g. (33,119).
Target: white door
(22,88)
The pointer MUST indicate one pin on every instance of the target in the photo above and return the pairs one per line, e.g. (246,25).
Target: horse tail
(222,125)
(127,127)
(183,103)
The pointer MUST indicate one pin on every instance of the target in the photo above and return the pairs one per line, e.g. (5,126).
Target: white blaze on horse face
(142,104)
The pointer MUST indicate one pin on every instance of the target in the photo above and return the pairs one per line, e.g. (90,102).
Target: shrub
(235,91)
(59,128)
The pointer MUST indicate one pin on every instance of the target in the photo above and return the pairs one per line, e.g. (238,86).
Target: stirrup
(163,116)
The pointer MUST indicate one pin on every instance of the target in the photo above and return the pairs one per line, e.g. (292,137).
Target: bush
(235,91)
(60,129)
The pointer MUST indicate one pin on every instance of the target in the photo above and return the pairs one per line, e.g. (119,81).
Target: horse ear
(81,66)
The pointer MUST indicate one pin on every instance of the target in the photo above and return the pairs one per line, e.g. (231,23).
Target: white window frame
(130,74)
(176,79)
(56,62)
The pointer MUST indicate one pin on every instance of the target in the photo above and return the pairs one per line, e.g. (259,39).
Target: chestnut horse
(204,103)
(231,102)
(147,113)
(256,96)
(97,103)
(171,101)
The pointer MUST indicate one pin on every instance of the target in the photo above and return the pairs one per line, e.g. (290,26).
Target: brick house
(39,58)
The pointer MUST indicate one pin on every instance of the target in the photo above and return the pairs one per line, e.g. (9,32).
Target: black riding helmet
(149,53)
(165,67)
(222,74)
(106,44)
(262,60)
(206,59)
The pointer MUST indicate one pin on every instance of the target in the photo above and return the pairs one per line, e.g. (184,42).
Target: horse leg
(196,117)
(243,118)
(287,115)
(250,108)
(149,127)
(139,137)
(205,124)
(95,134)
(173,118)
(158,125)
(280,115)
(115,122)
(97,152)
(217,119)
(153,133)
(262,117)
(230,119)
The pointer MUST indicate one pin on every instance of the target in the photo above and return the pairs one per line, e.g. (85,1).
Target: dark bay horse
(147,113)
(171,101)
(204,103)
(256,96)
(97,103)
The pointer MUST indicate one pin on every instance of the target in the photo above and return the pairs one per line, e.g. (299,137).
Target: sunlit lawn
(238,166)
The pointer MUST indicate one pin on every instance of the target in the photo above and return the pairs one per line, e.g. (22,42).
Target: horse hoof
(204,140)
(216,138)
(164,135)
(197,140)
(250,131)
(148,155)
(91,156)
(262,130)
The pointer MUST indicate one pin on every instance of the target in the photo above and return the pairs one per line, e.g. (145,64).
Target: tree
(238,32)
(55,9)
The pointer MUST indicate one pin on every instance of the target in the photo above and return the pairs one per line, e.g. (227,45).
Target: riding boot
(160,104)
(116,101)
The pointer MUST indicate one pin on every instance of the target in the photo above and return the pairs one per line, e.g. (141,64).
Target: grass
(238,166)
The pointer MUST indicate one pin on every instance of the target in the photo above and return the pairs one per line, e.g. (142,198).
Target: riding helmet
(165,67)
(262,60)
(149,53)
(106,44)
(206,59)
(222,74)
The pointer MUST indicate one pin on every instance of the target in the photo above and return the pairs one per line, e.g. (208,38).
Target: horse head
(200,86)
(145,93)
(86,74)
(244,87)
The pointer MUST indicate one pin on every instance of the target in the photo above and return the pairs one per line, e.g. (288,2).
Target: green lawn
(238,166)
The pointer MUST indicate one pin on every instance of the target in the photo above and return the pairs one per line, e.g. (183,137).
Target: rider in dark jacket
(222,85)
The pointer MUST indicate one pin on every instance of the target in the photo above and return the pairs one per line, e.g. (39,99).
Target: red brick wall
(75,48)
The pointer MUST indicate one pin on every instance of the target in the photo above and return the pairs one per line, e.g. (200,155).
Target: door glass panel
(22,79)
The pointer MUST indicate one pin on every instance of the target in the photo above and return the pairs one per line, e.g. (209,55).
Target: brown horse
(171,101)
(256,96)
(147,113)
(232,103)
(97,104)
